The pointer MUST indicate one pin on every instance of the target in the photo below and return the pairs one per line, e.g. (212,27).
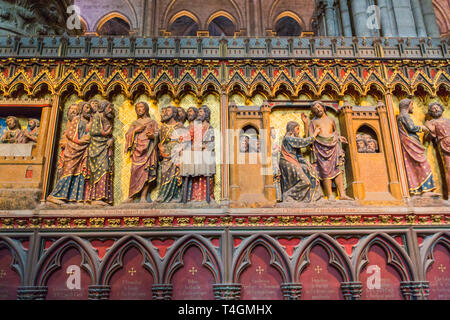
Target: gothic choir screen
(227,149)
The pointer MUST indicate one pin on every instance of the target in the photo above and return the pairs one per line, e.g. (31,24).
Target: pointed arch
(396,256)
(222,13)
(338,258)
(51,260)
(113,260)
(278,259)
(18,261)
(211,259)
(99,24)
(427,249)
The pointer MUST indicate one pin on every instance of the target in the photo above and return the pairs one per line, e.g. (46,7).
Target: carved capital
(32,293)
(351,290)
(100,292)
(415,290)
(162,291)
(227,291)
(291,291)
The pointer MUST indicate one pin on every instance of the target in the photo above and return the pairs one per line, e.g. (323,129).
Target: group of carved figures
(15,134)
(179,158)
(296,179)
(437,129)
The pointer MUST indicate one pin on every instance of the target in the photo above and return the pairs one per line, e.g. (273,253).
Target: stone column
(359,13)
(291,291)
(32,293)
(227,291)
(418,18)
(162,291)
(345,18)
(99,292)
(391,14)
(386,26)
(330,18)
(404,18)
(233,148)
(351,290)
(429,17)
(266,151)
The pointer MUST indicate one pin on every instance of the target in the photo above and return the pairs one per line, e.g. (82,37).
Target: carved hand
(343,139)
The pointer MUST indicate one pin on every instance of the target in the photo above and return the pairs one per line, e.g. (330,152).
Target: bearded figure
(100,156)
(70,186)
(141,142)
(31,135)
(439,133)
(13,133)
(170,147)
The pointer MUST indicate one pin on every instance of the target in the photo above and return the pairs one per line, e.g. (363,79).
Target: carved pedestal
(351,290)
(291,291)
(227,291)
(99,292)
(31,293)
(162,291)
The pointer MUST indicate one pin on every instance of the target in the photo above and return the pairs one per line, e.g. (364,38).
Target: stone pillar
(418,18)
(162,291)
(233,147)
(415,290)
(404,18)
(32,293)
(351,290)
(391,14)
(429,17)
(386,24)
(345,18)
(359,13)
(394,184)
(99,292)
(330,18)
(291,291)
(227,291)
(266,151)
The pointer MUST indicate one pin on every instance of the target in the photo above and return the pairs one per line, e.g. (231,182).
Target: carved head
(33,123)
(192,113)
(293,128)
(109,110)
(360,143)
(372,146)
(12,123)
(181,115)
(167,113)
(86,110)
(435,110)
(94,105)
(244,144)
(406,105)
(318,109)
(204,114)
(73,111)
(102,106)
(142,109)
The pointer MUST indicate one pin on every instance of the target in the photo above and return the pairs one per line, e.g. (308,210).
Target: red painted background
(439,274)
(9,279)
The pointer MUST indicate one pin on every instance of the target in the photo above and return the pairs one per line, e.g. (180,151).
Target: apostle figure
(170,136)
(70,186)
(203,145)
(32,132)
(418,170)
(187,167)
(439,131)
(361,143)
(372,145)
(275,145)
(13,133)
(100,156)
(244,143)
(327,151)
(299,180)
(141,140)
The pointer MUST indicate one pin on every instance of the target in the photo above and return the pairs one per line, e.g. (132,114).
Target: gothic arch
(65,87)
(180,14)
(427,250)
(338,257)
(289,14)
(113,260)
(50,261)
(99,24)
(278,259)
(222,13)
(397,257)
(19,258)
(211,260)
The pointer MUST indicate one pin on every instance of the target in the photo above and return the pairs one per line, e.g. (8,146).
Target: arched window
(287,27)
(366,140)
(184,26)
(221,26)
(114,27)
(249,140)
